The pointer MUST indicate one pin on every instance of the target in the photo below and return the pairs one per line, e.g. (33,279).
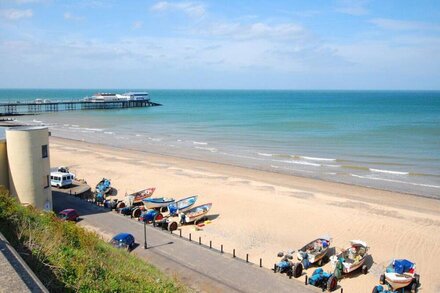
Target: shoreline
(261,213)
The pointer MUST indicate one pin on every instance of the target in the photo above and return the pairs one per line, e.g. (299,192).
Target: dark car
(68,215)
(123,240)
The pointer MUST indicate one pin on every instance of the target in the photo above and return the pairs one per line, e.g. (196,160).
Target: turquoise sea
(383,139)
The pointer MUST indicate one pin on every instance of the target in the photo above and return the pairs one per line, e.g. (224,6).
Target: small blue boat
(182,204)
(103,186)
(158,202)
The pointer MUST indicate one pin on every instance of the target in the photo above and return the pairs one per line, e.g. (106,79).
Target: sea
(382,139)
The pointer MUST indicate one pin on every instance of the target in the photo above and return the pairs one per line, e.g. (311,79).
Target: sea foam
(265,154)
(389,172)
(395,181)
(316,159)
(299,163)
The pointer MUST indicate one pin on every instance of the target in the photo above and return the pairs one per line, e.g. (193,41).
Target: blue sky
(341,44)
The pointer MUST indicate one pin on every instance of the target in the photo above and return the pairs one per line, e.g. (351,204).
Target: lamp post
(145,235)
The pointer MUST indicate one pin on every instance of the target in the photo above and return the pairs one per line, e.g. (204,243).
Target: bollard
(210,244)
(342,290)
(221,248)
(306,283)
(247,257)
(261,262)
(233,252)
(200,240)
(189,236)
(180,233)
(274,267)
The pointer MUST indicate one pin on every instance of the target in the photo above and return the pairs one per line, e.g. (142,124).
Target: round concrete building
(4,177)
(29,165)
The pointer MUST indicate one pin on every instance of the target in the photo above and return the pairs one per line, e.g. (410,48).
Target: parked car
(123,240)
(68,215)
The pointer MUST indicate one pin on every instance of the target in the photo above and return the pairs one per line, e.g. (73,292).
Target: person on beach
(338,268)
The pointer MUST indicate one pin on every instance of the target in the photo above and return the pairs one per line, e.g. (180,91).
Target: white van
(58,179)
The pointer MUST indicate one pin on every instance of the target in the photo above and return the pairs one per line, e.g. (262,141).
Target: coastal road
(200,268)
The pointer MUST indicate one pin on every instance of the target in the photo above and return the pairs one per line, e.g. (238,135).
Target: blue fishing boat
(103,186)
(182,204)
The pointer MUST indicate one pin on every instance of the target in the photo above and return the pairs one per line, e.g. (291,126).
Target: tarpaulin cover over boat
(402,266)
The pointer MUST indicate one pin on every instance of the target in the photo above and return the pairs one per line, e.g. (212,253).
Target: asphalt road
(198,267)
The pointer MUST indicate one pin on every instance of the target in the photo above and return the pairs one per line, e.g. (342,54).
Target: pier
(37,107)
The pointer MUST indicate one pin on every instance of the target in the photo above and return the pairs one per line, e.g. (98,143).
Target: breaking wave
(388,172)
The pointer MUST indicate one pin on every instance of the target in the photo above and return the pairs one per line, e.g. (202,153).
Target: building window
(47,183)
(44,151)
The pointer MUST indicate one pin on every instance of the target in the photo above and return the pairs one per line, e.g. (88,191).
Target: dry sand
(262,213)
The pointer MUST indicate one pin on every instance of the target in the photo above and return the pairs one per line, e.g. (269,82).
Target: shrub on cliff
(67,257)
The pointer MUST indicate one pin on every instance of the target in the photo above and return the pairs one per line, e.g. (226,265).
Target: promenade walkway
(15,275)
(200,268)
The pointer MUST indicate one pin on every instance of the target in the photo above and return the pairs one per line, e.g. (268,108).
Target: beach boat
(104,186)
(135,199)
(155,203)
(197,213)
(193,215)
(401,273)
(139,196)
(182,205)
(154,216)
(352,258)
(314,251)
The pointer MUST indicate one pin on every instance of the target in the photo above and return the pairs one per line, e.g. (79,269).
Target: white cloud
(137,24)
(353,7)
(190,8)
(26,1)
(403,25)
(16,14)
(70,16)
(257,30)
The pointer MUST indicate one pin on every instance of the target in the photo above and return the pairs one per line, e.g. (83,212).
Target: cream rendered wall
(28,170)
(4,176)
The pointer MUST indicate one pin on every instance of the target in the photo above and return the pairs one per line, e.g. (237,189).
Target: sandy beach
(262,213)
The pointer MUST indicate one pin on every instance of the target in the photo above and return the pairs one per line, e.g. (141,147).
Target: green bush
(67,257)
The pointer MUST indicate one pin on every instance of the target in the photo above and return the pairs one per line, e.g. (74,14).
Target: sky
(255,44)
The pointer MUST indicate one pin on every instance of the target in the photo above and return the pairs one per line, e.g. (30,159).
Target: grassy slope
(68,258)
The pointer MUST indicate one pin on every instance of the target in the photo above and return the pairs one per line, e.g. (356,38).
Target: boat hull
(397,281)
(153,203)
(139,196)
(186,203)
(197,213)
(349,265)
(312,257)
